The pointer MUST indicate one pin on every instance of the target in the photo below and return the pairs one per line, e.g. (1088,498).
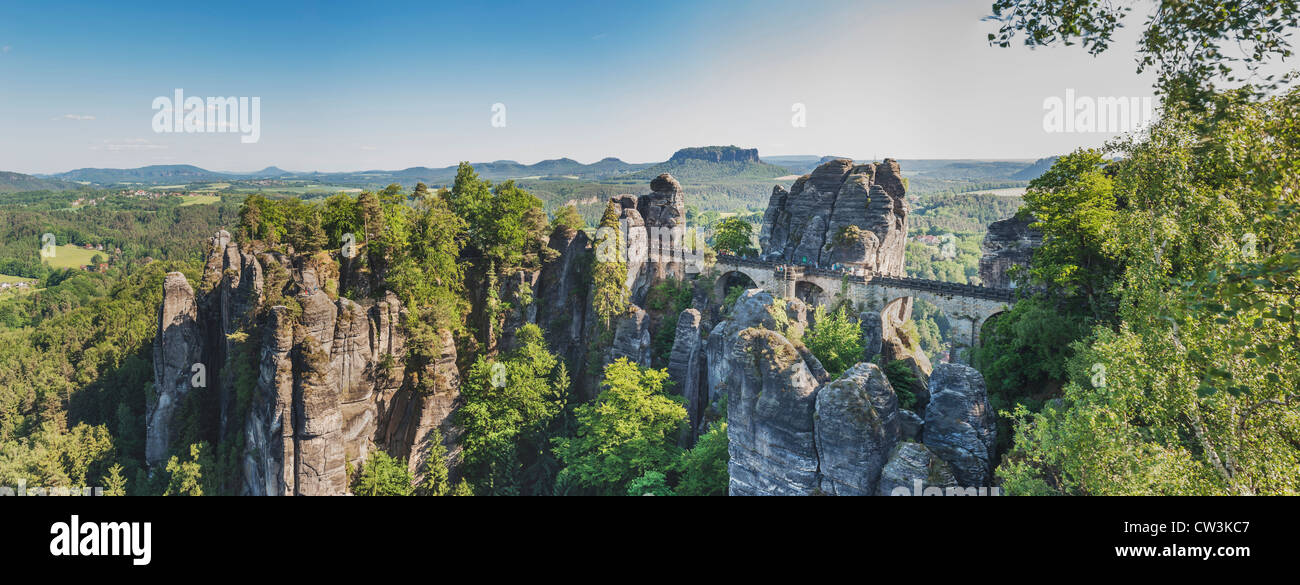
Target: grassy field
(199,199)
(70,256)
(13,279)
(17,291)
(1008,192)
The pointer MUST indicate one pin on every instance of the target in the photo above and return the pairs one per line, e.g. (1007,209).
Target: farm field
(188,200)
(5,278)
(72,256)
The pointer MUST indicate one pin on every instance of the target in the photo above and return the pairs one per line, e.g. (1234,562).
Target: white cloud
(369,148)
(5,49)
(78,117)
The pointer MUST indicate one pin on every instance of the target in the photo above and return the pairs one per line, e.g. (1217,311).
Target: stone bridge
(968,307)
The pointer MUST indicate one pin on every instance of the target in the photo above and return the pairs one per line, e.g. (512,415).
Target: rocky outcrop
(418,417)
(841,213)
(910,425)
(560,296)
(654,227)
(1010,242)
(177,364)
(960,426)
(857,426)
(771,398)
(269,434)
(872,334)
(912,466)
(319,467)
(330,378)
(770,406)
(687,370)
(631,337)
(898,344)
(791,434)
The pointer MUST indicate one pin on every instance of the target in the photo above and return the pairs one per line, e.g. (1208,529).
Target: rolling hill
(18,183)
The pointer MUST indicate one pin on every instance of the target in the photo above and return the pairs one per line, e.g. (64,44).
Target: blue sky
(353,85)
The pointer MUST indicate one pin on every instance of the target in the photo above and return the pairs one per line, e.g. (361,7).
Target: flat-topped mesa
(853,215)
(716,154)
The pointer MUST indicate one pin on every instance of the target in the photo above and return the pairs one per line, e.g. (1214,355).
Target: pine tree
(114,483)
(609,295)
(436,480)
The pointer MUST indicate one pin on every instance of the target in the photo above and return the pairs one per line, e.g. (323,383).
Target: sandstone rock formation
(686,368)
(560,296)
(872,334)
(631,337)
(857,427)
(841,213)
(960,425)
(909,464)
(269,432)
(650,227)
(716,154)
(791,434)
(910,426)
(1010,242)
(770,402)
(331,383)
(177,349)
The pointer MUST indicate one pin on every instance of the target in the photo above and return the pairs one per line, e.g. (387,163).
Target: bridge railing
(738,261)
(921,284)
(948,288)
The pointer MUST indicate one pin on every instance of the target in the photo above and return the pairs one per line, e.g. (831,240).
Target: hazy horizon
(344,88)
(761,155)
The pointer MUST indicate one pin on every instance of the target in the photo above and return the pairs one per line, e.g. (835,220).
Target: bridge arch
(968,307)
(734,277)
(811,293)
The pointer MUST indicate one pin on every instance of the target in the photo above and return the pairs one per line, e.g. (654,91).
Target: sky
(348,86)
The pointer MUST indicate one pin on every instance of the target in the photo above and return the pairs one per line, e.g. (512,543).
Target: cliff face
(771,397)
(176,349)
(841,213)
(1010,242)
(687,368)
(716,154)
(330,381)
(795,432)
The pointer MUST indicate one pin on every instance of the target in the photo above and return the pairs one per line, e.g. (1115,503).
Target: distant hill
(704,164)
(496,171)
(941,169)
(799,164)
(154,174)
(716,154)
(18,183)
(267,172)
(699,165)
(1035,170)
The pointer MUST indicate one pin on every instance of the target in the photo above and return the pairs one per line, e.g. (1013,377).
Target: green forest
(1154,348)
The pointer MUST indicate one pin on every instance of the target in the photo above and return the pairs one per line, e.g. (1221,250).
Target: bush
(704,467)
(651,483)
(835,340)
(903,379)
